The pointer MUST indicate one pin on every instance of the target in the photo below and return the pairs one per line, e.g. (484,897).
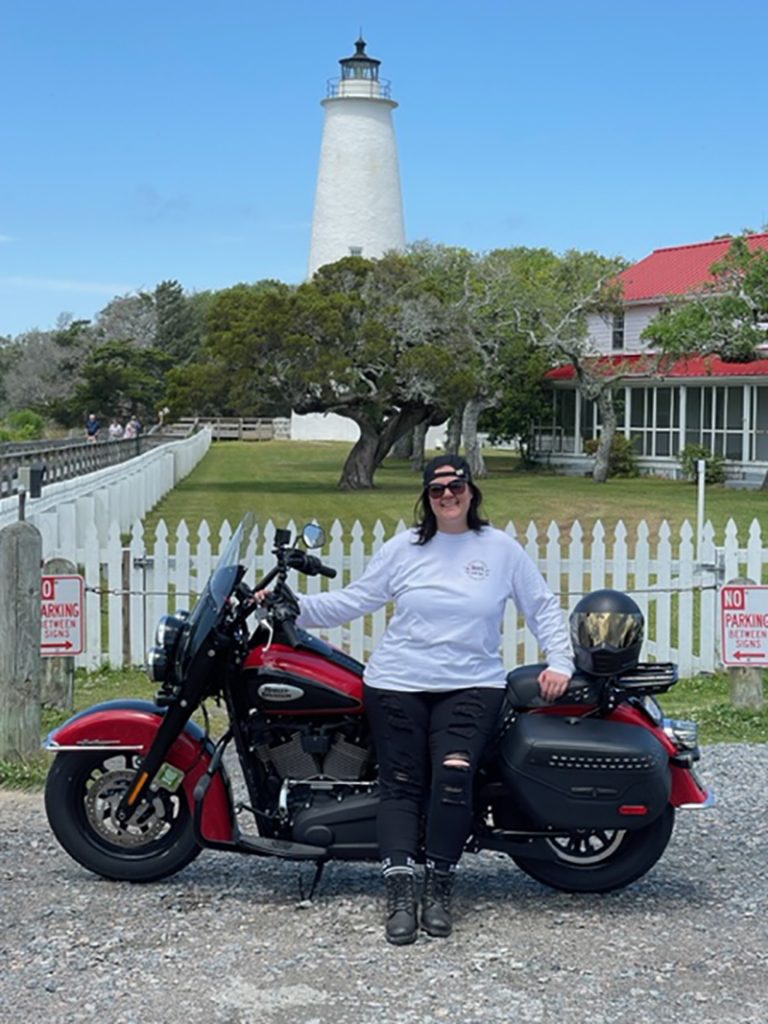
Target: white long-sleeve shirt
(449,596)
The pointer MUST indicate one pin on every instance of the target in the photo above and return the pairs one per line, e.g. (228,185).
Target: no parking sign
(744,625)
(62,615)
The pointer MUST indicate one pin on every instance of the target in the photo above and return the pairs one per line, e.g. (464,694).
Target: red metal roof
(691,366)
(678,270)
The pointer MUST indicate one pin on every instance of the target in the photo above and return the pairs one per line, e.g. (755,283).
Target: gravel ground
(230,941)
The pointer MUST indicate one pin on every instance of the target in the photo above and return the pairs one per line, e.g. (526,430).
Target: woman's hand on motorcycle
(552,684)
(281,601)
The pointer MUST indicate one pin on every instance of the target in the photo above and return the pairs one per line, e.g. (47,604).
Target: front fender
(130,726)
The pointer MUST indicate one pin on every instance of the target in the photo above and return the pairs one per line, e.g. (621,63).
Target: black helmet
(607,630)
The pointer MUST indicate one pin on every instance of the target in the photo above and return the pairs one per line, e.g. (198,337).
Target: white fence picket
(685,633)
(115,600)
(677,595)
(708,618)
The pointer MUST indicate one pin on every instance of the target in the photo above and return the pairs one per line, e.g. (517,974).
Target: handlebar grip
(326,570)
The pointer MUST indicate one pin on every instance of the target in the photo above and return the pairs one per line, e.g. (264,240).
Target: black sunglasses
(454,486)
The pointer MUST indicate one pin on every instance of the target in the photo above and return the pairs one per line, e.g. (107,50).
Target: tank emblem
(279,691)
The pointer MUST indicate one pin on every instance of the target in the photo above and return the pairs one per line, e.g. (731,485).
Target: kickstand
(319,865)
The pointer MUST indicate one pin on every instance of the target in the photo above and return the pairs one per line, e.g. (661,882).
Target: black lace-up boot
(402,925)
(436,902)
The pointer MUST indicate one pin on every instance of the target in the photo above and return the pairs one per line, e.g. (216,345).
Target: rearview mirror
(313,535)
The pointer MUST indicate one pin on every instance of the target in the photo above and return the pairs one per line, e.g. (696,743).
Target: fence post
(21,549)
(58,672)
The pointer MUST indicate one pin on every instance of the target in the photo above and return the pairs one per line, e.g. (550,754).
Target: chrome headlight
(157,664)
(160,657)
(169,629)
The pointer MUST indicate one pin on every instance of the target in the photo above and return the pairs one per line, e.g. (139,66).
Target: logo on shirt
(477,570)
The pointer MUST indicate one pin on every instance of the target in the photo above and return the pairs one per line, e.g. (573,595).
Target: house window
(617,333)
(714,418)
(760,423)
(654,420)
(355,250)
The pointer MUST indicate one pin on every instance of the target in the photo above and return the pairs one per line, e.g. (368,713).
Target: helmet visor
(606,629)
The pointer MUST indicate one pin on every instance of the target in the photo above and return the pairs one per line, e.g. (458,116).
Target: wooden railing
(62,460)
(224,428)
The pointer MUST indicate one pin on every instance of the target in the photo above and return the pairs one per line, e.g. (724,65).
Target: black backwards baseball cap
(459,468)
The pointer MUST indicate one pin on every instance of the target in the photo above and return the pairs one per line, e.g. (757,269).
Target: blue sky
(163,139)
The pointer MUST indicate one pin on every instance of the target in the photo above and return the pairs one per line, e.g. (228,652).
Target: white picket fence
(75,513)
(129,588)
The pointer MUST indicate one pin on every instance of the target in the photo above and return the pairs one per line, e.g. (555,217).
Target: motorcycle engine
(302,751)
(322,782)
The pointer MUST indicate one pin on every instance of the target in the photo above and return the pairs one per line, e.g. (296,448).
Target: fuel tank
(313,678)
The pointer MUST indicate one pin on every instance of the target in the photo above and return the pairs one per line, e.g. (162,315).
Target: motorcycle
(580,793)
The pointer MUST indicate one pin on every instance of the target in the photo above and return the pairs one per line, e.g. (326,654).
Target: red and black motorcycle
(581,793)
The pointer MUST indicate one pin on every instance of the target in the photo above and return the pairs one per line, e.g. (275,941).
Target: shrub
(623,458)
(714,472)
(22,425)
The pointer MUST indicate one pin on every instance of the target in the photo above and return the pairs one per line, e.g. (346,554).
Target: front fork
(172,726)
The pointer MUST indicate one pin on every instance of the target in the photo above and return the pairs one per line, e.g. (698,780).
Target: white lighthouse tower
(358,204)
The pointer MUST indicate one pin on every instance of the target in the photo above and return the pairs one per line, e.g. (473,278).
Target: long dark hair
(426,520)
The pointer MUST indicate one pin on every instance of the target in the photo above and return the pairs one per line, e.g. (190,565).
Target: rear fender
(130,726)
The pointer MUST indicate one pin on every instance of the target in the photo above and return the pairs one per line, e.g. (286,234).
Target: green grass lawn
(283,480)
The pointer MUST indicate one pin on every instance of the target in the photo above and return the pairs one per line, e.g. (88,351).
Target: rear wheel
(602,859)
(82,794)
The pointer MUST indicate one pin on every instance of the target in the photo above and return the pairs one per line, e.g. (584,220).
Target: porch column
(747,446)
(683,416)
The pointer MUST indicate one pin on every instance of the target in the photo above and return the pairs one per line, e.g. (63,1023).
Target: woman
(435,683)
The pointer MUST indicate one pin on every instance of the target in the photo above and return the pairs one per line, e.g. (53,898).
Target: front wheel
(82,794)
(603,859)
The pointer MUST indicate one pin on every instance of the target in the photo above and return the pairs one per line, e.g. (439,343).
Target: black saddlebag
(584,772)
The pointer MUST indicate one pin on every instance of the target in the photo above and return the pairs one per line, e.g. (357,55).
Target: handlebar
(282,601)
(310,565)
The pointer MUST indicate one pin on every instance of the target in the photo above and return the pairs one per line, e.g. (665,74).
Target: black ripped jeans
(414,735)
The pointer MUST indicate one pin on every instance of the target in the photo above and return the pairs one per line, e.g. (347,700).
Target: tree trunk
(360,465)
(472,450)
(374,444)
(607,434)
(404,446)
(419,442)
(453,433)
(402,422)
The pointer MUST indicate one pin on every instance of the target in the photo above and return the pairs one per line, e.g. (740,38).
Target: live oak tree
(546,298)
(363,339)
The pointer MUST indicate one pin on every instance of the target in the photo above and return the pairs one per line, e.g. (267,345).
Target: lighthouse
(358,203)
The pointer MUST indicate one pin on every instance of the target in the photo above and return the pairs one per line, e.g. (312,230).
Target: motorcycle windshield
(213,598)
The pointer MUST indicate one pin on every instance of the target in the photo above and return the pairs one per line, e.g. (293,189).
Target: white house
(701,400)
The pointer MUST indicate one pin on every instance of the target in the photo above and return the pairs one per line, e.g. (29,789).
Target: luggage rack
(649,677)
